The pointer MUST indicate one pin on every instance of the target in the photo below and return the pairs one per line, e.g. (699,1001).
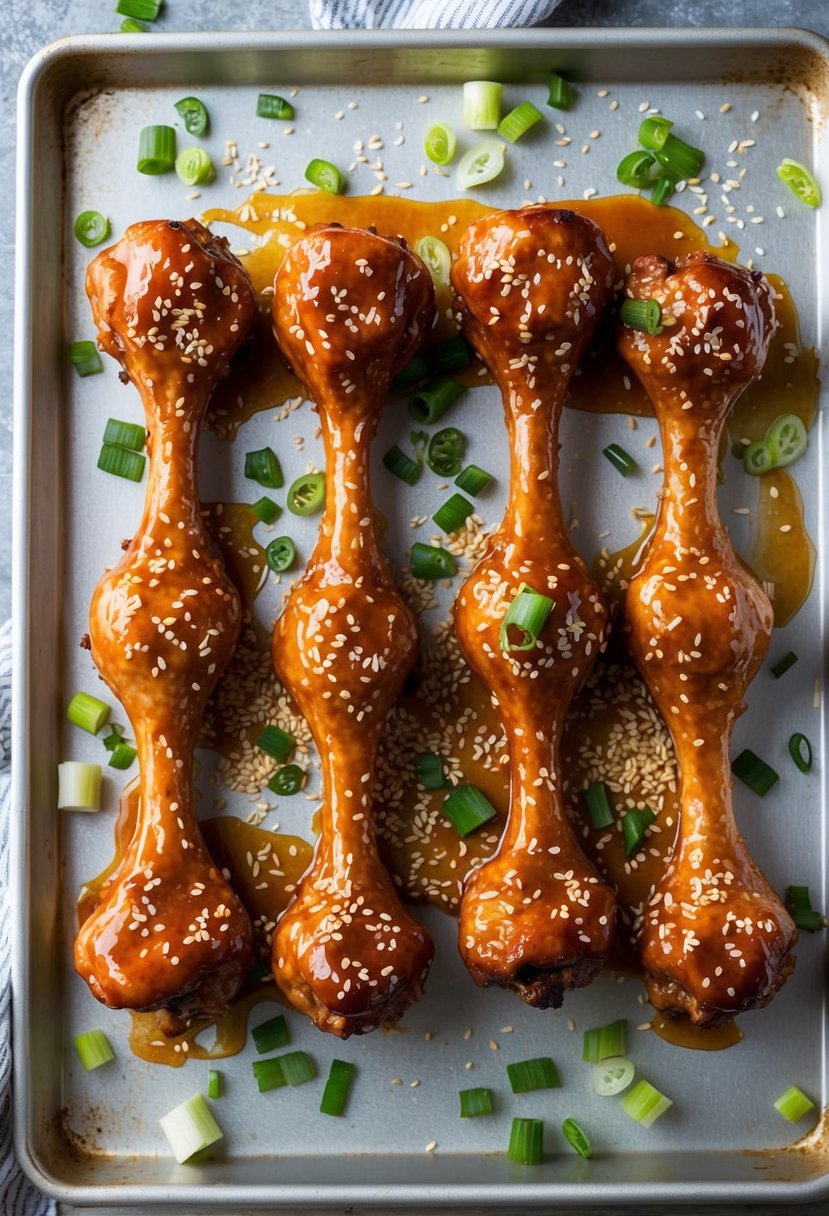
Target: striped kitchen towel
(427,14)
(17,1195)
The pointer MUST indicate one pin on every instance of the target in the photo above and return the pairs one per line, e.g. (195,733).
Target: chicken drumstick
(349,309)
(172,306)
(716,940)
(531,286)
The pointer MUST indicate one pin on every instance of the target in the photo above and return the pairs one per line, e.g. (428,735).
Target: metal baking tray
(94,1138)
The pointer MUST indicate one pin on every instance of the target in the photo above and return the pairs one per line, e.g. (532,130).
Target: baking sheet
(69,524)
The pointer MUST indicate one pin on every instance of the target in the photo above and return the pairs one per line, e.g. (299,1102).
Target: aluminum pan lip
(433,1196)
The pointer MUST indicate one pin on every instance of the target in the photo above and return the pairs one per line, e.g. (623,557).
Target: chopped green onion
(782,665)
(270,1035)
(561,93)
(473,479)
(758,458)
(754,772)
(645,1104)
(297,1067)
(602,1042)
(800,180)
(800,750)
(307,494)
(280,554)
(612,1076)
(449,356)
(430,771)
(480,164)
(432,401)
(653,131)
(435,253)
(287,781)
(401,465)
(413,373)
(634,824)
(635,169)
(269,1074)
(194,167)
(326,176)
(793,1104)
(519,121)
(194,116)
(271,105)
(788,440)
(265,509)
(598,805)
(88,712)
(619,458)
(528,613)
(468,809)
(125,435)
(263,467)
(122,755)
(115,736)
(130,26)
(190,1128)
(680,159)
(79,786)
(276,743)
(526,1142)
(528,1075)
(215,1083)
(156,150)
(799,904)
(431,562)
(439,144)
(91,228)
(481,105)
(576,1138)
(84,358)
(144,10)
(642,314)
(121,462)
(335,1094)
(94,1049)
(446,449)
(476,1102)
(453,514)
(663,188)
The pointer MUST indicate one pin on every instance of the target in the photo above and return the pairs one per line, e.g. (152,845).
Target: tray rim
(285,1196)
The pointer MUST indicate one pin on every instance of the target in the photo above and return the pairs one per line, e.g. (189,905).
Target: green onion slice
(145,10)
(280,554)
(215,1083)
(793,1104)
(432,562)
(156,150)
(481,105)
(125,435)
(88,712)
(782,665)
(800,180)
(326,176)
(401,465)
(598,805)
(432,401)
(634,825)
(446,449)
(94,1049)
(337,1087)
(787,439)
(268,1074)
(276,743)
(440,143)
(612,1076)
(263,467)
(265,509)
(561,93)
(468,809)
(121,462)
(84,358)
(526,1142)
(528,1075)
(799,904)
(412,374)
(528,613)
(480,164)
(635,169)
(297,1067)
(91,228)
(453,514)
(194,167)
(130,26)
(654,131)
(114,737)
(758,458)
(307,494)
(476,1102)
(680,159)
(642,314)
(271,105)
(645,1104)
(662,190)
(190,1127)
(449,356)
(287,781)
(430,771)
(122,755)
(800,750)
(435,253)
(519,121)
(754,772)
(270,1035)
(473,480)
(603,1042)
(576,1138)
(194,116)
(619,458)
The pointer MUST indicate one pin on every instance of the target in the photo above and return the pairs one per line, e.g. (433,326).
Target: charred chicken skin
(531,286)
(350,308)
(716,940)
(172,306)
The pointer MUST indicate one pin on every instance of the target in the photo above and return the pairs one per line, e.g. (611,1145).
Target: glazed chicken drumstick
(350,308)
(716,940)
(171,305)
(531,286)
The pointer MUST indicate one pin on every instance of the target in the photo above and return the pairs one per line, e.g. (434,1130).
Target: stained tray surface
(278,1148)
